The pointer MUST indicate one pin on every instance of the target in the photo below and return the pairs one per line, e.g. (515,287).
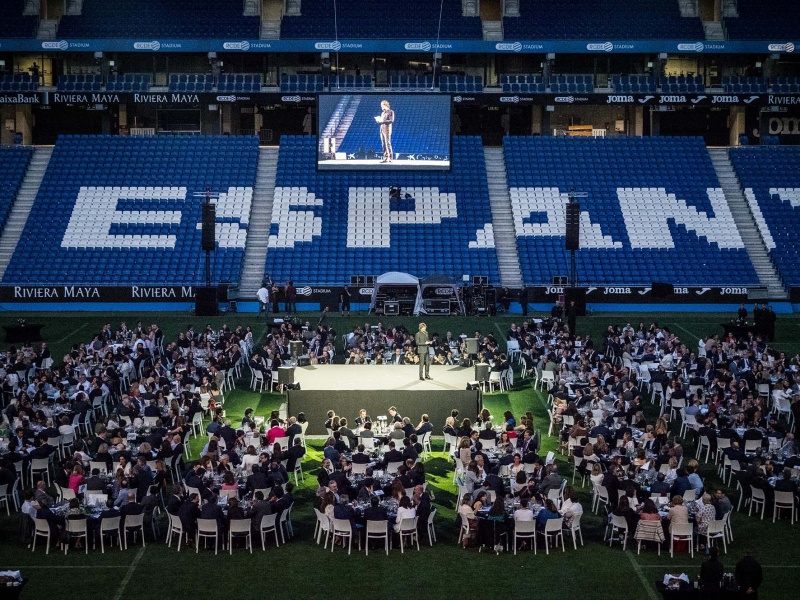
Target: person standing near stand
(276,307)
(421,338)
(572,317)
(344,300)
(263,300)
(290,294)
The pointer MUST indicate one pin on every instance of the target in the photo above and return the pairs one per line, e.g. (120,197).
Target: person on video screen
(386,121)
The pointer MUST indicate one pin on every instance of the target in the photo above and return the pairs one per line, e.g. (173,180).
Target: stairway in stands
(22,204)
(260,218)
(342,117)
(505,240)
(746,224)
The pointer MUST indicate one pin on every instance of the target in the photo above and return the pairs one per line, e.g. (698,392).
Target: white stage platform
(382,377)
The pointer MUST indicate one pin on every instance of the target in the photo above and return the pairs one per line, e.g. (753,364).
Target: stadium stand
(117,210)
(645,219)
(572,84)
(634,84)
(411,82)
(523,83)
(327,226)
(129,82)
(13,162)
(291,82)
(786,85)
(162,19)
(191,82)
(363,19)
(773,20)
(771,181)
(599,19)
(736,84)
(461,84)
(80,83)
(239,82)
(12,22)
(682,84)
(350,81)
(19,82)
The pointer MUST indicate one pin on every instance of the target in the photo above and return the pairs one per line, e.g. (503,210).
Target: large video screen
(369,132)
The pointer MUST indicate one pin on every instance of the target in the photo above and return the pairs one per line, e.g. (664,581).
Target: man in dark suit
(375,512)
(174,502)
(94,482)
(212,510)
(294,429)
(409,451)
(350,438)
(228,434)
(660,486)
(129,508)
(260,509)
(360,457)
(257,481)
(344,510)
(392,455)
(424,426)
(296,452)
(188,513)
(195,479)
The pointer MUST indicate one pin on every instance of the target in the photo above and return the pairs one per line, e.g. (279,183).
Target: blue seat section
(571,84)
(112,238)
(771,178)
(302,82)
(13,162)
(786,85)
(92,82)
(649,243)
(737,84)
(19,82)
(191,82)
(682,84)
(310,234)
(411,82)
(772,20)
(391,19)
(634,84)
(350,81)
(161,19)
(601,20)
(12,22)
(419,126)
(528,84)
(129,82)
(461,84)
(239,82)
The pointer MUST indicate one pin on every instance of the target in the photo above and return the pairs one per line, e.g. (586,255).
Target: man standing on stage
(421,338)
(263,299)
(386,119)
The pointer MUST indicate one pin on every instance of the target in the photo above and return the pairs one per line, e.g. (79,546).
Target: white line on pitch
(648,586)
(129,574)
(69,335)
(20,568)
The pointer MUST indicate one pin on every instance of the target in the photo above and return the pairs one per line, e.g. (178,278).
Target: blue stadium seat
(630,182)
(142,197)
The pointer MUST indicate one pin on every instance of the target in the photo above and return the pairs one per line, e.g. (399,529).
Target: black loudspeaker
(661,290)
(573,226)
(472,345)
(481,372)
(205,302)
(578,296)
(285,375)
(296,348)
(209,219)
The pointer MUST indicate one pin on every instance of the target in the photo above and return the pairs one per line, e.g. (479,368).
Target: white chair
(783,500)
(197,424)
(716,531)
(257,381)
(600,497)
(573,527)
(41,529)
(241,528)
(109,527)
(619,526)
(229,494)
(207,528)
(757,497)
(524,530)
(40,466)
(77,529)
(391,468)
(680,532)
(751,446)
(343,529)
(431,529)
(133,523)
(649,531)
(64,494)
(5,497)
(450,443)
(269,524)
(548,379)
(426,444)
(553,529)
(377,530)
(175,528)
(358,469)
(408,529)
(323,525)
